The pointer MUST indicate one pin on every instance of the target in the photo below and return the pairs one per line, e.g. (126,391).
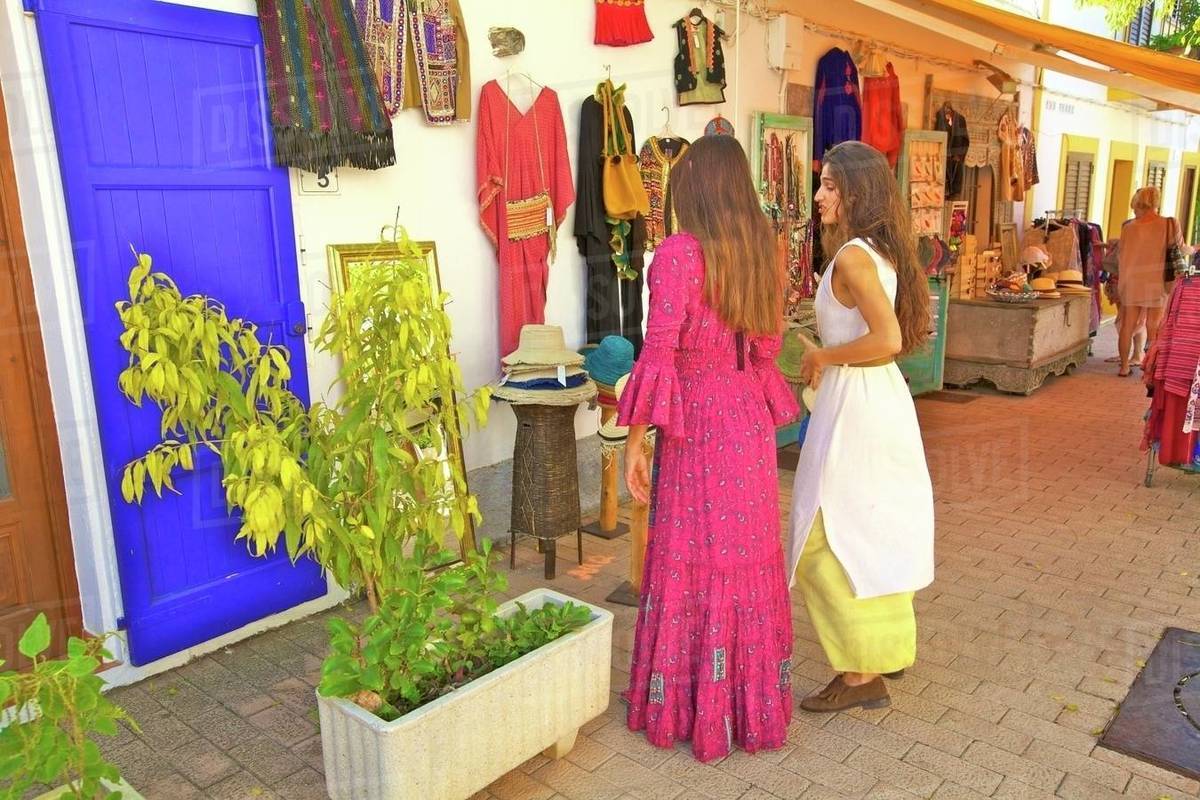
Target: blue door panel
(161,124)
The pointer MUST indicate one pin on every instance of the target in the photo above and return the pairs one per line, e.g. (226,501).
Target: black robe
(614,306)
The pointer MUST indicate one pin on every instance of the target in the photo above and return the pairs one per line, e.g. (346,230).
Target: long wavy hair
(872,209)
(712,196)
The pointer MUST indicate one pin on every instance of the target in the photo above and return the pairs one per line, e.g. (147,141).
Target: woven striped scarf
(325,105)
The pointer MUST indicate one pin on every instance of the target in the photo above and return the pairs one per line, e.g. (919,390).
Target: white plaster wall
(433,183)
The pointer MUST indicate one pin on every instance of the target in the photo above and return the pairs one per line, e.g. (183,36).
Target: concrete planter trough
(460,743)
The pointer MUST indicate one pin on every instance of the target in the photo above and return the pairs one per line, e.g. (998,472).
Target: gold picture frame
(344,260)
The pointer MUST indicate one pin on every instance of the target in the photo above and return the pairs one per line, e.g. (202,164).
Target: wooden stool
(608,526)
(629,593)
(545,498)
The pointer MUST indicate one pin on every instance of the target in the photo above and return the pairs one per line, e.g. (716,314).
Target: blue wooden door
(161,123)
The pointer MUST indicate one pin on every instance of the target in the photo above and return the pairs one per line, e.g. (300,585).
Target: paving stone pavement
(1056,572)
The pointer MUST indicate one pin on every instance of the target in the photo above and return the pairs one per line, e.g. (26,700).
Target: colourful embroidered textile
(1191,419)
(837,111)
(883,116)
(519,156)
(420,54)
(958,144)
(712,649)
(326,110)
(700,61)
(657,157)
(1027,142)
(1178,339)
(620,23)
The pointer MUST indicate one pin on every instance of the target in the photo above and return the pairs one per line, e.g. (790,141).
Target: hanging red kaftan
(522,169)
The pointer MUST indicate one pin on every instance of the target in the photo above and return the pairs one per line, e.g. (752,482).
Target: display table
(1015,346)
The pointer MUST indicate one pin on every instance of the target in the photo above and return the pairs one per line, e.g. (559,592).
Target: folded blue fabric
(573,382)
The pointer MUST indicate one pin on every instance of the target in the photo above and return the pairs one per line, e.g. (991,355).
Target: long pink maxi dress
(712,652)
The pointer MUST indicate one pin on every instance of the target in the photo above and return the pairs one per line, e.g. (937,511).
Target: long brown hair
(712,195)
(872,209)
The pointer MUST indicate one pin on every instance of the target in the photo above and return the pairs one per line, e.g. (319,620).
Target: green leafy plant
(358,484)
(431,637)
(1119,13)
(51,710)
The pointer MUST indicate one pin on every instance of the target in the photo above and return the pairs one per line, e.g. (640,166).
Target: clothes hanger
(666,132)
(696,15)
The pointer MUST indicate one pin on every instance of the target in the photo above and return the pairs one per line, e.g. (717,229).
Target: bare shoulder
(855,265)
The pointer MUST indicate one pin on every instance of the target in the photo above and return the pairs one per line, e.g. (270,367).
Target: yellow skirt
(874,636)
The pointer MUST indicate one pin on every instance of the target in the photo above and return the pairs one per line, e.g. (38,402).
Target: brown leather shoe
(838,696)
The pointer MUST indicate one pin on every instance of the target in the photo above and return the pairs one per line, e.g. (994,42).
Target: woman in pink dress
(712,653)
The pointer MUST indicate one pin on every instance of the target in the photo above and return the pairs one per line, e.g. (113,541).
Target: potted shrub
(362,486)
(48,715)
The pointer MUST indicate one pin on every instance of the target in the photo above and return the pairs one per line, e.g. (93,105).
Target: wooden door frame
(1189,160)
(1119,151)
(50,458)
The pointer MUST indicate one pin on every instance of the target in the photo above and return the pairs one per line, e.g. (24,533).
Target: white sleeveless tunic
(863,462)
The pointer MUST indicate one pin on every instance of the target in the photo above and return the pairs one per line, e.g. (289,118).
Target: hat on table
(1034,256)
(542,346)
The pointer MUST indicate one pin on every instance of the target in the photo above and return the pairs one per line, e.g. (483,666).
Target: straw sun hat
(1034,256)
(542,346)
(542,356)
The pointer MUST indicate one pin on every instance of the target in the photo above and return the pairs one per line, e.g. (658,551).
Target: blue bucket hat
(610,361)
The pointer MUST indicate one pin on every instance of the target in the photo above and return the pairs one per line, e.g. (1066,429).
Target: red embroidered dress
(522,168)
(620,23)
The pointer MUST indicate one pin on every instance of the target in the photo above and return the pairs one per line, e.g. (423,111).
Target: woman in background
(1142,257)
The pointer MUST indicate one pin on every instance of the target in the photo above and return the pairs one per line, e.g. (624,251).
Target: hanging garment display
(837,107)
(524,184)
(326,110)
(1026,143)
(657,157)
(614,305)
(954,125)
(620,23)
(420,54)
(1012,162)
(700,62)
(883,116)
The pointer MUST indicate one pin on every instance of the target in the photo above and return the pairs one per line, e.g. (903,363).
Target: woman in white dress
(862,509)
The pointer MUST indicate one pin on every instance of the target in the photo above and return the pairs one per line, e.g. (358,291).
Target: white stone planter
(127,791)
(460,743)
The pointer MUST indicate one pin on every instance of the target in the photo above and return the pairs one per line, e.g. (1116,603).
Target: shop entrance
(162,130)
(1120,193)
(37,570)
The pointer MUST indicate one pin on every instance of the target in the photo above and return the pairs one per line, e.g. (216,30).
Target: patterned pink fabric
(712,653)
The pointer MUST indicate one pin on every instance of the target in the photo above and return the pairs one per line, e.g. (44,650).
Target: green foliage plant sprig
(358,483)
(51,711)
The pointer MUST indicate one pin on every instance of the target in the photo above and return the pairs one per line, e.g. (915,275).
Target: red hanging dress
(522,167)
(620,23)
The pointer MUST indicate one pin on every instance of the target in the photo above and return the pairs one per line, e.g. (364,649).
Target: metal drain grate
(1159,720)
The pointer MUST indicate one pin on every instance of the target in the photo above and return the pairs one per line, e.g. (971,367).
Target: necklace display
(783,170)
